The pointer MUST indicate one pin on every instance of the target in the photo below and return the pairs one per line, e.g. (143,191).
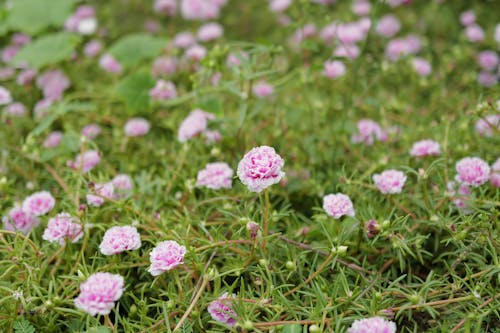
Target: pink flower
(486,79)
(234,59)
(488,60)
(474,33)
(388,26)
(215,176)
(365,24)
(333,69)
(260,168)
(495,173)
(103,191)
(42,107)
(372,325)
(39,203)
(262,89)
(53,84)
(165,7)
(163,90)
(20,220)
(372,228)
(53,140)
(211,136)
(110,64)
(9,52)
(350,51)
(390,181)
(488,125)
(91,131)
(99,293)
(123,186)
(61,227)
(279,6)
(166,256)
(400,47)
(349,33)
(425,148)
(361,7)
(184,40)
(467,18)
(20,39)
(421,66)
(221,310)
(461,194)
(200,9)
(194,124)
(16,109)
(210,31)
(338,205)
(6,73)
(25,77)
(369,131)
(137,127)
(164,66)
(472,171)
(195,53)
(86,162)
(119,239)
(92,48)
(5,97)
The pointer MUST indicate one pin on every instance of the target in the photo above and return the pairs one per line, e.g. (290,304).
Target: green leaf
(33,16)
(212,105)
(23,326)
(100,329)
(132,49)
(292,328)
(134,90)
(47,50)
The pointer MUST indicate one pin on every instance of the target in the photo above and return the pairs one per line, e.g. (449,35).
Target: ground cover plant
(249,166)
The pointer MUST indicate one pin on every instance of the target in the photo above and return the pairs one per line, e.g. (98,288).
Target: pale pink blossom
(329,32)
(400,47)
(338,205)
(110,64)
(467,18)
(221,310)
(20,39)
(39,203)
(333,69)
(26,76)
(82,21)
(184,40)
(53,140)
(262,89)
(421,66)
(487,79)
(16,109)
(210,31)
(425,148)
(365,24)
(369,132)
(461,195)
(495,174)
(361,7)
(119,239)
(42,107)
(472,171)
(53,84)
(137,127)
(123,186)
(5,97)
(102,192)
(9,52)
(165,256)
(474,33)
(91,131)
(260,168)
(372,325)
(164,66)
(195,123)
(388,26)
(350,51)
(349,33)
(200,9)
(488,125)
(211,136)
(165,7)
(6,73)
(234,59)
(86,161)
(99,293)
(390,181)
(279,6)
(488,60)
(163,90)
(215,176)
(20,220)
(92,48)
(63,227)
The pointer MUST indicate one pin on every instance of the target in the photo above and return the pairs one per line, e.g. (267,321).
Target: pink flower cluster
(103,191)
(39,203)
(91,131)
(390,181)
(215,176)
(201,9)
(338,205)
(400,47)
(333,69)
(488,125)
(166,256)
(163,90)
(5,97)
(425,148)
(123,186)
(195,124)
(260,168)
(63,227)
(221,310)
(372,325)
(136,127)
(262,89)
(82,21)
(53,140)
(421,66)
(369,132)
(388,26)
(99,293)
(20,220)
(86,161)
(165,7)
(108,63)
(53,84)
(119,239)
(472,171)
(210,31)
